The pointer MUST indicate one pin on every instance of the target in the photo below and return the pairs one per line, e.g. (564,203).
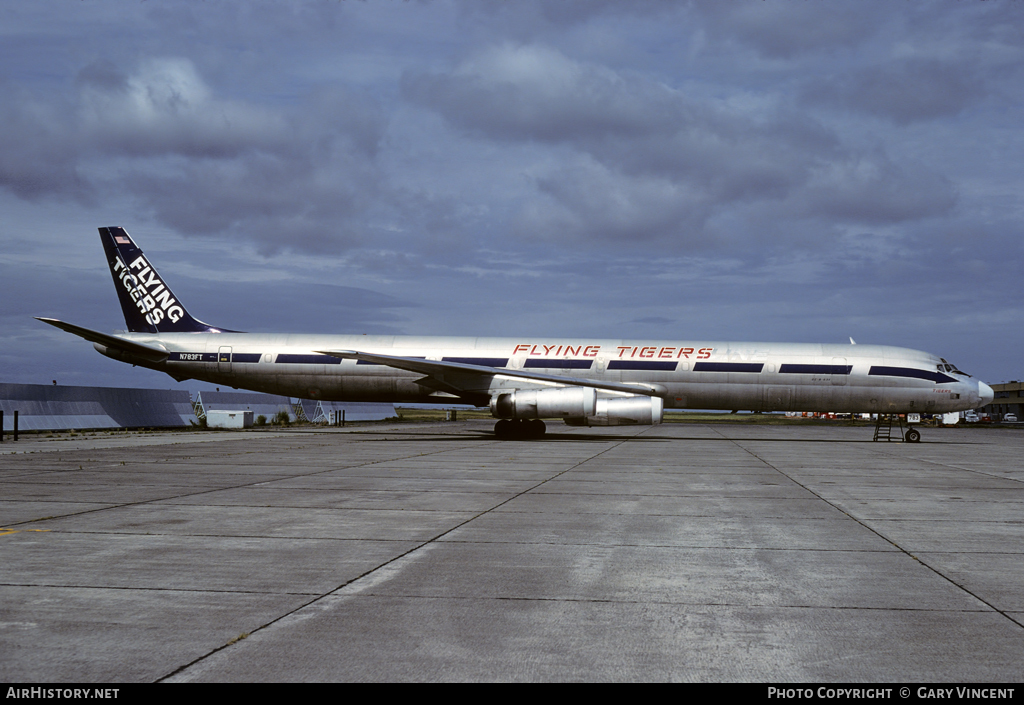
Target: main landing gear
(511,429)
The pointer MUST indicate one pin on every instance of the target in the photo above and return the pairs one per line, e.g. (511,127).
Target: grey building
(1007,400)
(265,405)
(44,407)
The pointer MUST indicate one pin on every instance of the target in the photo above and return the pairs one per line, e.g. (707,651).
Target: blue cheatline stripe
(484,361)
(246,357)
(192,357)
(815,369)
(728,366)
(933,376)
(308,359)
(642,365)
(560,364)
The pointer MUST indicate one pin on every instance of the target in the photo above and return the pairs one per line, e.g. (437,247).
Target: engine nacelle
(122,356)
(624,411)
(545,403)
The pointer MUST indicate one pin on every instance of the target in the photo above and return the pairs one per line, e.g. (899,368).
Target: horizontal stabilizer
(148,352)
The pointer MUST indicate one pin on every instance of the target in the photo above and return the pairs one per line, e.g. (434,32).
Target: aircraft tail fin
(148,304)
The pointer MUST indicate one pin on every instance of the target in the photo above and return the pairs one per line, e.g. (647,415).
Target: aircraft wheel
(913,436)
(505,429)
(510,429)
(534,428)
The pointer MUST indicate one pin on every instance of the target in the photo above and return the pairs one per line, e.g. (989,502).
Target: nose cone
(986,394)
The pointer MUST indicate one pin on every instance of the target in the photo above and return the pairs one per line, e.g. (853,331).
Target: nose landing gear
(884,430)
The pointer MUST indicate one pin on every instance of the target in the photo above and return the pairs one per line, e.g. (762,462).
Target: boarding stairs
(884,428)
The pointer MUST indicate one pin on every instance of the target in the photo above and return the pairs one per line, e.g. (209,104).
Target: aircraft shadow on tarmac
(411,435)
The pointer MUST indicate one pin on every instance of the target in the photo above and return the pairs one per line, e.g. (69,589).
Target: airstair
(883,427)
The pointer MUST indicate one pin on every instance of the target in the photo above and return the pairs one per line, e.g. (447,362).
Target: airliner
(522,380)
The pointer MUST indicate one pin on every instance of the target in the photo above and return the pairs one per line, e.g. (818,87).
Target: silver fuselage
(686,375)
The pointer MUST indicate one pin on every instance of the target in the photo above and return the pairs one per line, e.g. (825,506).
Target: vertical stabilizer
(149,306)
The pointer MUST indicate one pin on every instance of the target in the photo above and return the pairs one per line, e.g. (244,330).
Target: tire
(504,429)
(913,436)
(515,429)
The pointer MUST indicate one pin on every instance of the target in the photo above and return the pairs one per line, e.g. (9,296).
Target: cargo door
(778,398)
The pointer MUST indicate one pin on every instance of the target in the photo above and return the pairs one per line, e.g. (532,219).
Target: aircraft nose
(986,394)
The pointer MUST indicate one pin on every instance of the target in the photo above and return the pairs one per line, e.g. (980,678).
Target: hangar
(43,407)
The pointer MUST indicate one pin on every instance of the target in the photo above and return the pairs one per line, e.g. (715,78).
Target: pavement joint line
(163,438)
(132,588)
(368,573)
(1004,613)
(219,489)
(882,451)
(679,547)
(511,598)
(675,603)
(220,536)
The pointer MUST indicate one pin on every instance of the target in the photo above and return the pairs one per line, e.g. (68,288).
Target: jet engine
(578,406)
(545,403)
(626,410)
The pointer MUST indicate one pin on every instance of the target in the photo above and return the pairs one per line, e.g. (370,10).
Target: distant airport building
(44,407)
(266,405)
(334,412)
(1007,399)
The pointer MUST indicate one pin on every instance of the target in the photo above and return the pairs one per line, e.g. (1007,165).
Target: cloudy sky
(775,171)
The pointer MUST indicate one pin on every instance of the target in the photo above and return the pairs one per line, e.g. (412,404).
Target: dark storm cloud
(287,178)
(537,93)
(527,19)
(903,90)
(326,307)
(874,190)
(655,162)
(785,30)
(165,108)
(38,154)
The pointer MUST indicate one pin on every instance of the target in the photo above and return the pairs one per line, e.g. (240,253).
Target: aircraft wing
(443,371)
(143,350)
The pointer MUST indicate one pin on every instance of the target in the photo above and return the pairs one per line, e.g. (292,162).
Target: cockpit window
(947,367)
